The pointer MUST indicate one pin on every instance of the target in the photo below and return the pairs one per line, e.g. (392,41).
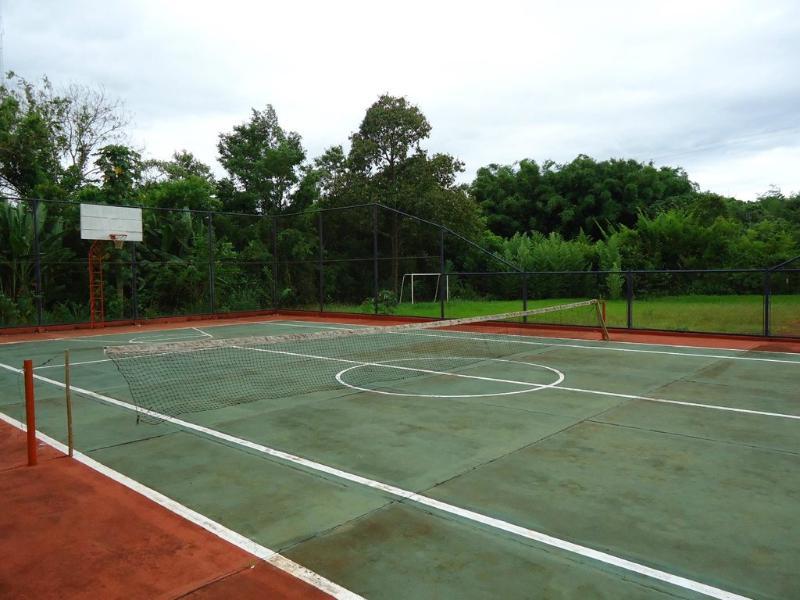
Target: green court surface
(623,471)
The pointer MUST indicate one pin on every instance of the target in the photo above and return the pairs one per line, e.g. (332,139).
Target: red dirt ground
(67,531)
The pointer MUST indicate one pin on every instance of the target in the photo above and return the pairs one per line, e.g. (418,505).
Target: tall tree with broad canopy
(387,164)
(78,120)
(582,195)
(263,162)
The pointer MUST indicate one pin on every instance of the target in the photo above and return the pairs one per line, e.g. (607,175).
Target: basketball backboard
(103,222)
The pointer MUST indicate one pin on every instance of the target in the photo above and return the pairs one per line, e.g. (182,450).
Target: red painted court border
(70,532)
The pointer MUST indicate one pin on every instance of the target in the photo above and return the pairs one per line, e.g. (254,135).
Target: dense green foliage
(58,149)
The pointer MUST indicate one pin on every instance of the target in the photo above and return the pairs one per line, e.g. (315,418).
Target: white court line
(507,381)
(535,388)
(81,338)
(681,403)
(217,529)
(73,364)
(89,362)
(605,348)
(318,325)
(168,335)
(298,324)
(476,517)
(553,385)
(527,341)
(398,367)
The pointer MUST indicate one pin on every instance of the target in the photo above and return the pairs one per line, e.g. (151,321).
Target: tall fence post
(275,302)
(767,301)
(375,256)
(134,285)
(211,270)
(320,264)
(629,298)
(441,273)
(37,262)
(525,294)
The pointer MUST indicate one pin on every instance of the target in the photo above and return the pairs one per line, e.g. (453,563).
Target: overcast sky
(712,86)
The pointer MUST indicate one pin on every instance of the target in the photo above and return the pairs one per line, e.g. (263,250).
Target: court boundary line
(359,363)
(748,411)
(585,347)
(215,528)
(469,515)
(300,323)
(320,324)
(606,348)
(97,335)
(557,385)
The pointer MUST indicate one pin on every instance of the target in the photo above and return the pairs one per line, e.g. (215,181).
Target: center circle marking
(535,387)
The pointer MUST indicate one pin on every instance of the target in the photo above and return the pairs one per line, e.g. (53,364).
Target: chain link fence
(366,259)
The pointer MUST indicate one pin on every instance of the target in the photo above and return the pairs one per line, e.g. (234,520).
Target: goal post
(410,280)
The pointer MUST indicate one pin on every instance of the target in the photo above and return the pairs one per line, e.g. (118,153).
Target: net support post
(37,261)
(68,400)
(441,271)
(629,298)
(320,264)
(375,257)
(30,412)
(275,303)
(767,302)
(212,304)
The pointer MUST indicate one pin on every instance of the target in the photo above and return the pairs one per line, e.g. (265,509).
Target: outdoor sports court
(566,468)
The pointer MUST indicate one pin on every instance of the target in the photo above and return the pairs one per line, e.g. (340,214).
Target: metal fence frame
(629,276)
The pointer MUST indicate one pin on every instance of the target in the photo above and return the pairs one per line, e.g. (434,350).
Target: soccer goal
(412,282)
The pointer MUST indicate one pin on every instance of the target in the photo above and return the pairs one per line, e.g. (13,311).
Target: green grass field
(723,314)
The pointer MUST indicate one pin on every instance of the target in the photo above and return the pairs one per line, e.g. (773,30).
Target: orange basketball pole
(30,412)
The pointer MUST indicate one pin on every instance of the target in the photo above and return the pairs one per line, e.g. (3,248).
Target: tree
(78,120)
(263,162)
(28,152)
(392,128)
(583,195)
(183,165)
(121,170)
(387,164)
(90,119)
(17,250)
(182,182)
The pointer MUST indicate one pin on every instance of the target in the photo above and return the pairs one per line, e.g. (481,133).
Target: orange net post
(30,412)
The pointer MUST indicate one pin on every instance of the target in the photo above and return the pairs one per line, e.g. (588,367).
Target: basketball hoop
(118,239)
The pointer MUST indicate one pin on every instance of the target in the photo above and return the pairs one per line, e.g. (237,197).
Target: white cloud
(708,85)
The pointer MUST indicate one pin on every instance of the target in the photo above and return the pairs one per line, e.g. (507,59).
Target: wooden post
(30,412)
(68,397)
